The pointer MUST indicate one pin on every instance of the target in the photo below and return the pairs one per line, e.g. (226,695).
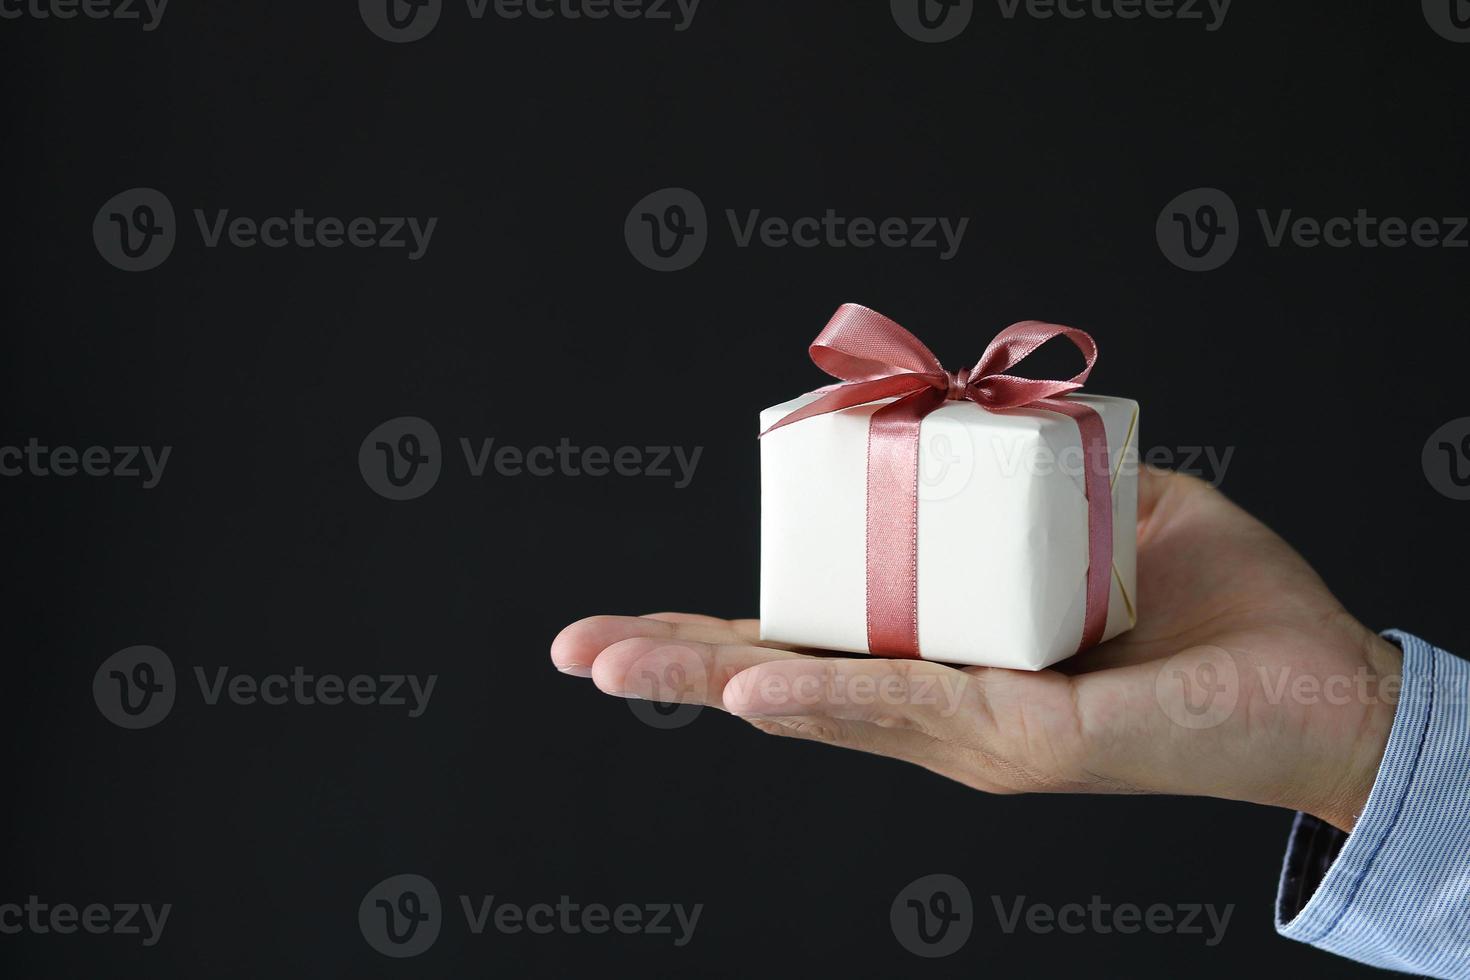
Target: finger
(746,631)
(910,695)
(738,630)
(1153,483)
(577,646)
(673,669)
(693,672)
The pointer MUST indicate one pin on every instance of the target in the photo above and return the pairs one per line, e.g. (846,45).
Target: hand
(1243,679)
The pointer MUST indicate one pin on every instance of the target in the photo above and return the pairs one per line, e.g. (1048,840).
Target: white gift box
(1002,531)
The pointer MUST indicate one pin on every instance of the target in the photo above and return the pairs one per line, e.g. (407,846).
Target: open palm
(1244,678)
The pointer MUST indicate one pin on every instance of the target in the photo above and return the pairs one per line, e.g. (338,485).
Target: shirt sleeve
(1395,893)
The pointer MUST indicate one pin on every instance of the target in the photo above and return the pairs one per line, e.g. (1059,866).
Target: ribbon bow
(877,359)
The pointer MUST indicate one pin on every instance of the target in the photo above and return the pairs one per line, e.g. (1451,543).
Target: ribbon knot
(878,359)
(959,381)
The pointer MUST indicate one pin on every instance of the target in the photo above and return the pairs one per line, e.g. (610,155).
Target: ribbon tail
(893,524)
(856,393)
(1098,486)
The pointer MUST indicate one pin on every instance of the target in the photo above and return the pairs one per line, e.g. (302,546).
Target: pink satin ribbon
(879,359)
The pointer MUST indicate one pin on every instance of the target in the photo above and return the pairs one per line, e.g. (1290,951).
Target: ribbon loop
(859,345)
(880,359)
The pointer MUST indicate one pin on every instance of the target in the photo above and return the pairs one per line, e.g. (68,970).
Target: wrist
(1355,775)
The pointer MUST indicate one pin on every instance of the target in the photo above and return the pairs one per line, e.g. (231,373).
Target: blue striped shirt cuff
(1395,893)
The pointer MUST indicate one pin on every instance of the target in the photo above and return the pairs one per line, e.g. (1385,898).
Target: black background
(528,321)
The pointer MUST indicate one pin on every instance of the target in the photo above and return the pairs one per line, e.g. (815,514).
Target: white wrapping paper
(1002,539)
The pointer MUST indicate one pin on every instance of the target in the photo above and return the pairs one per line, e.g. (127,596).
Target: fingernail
(576,670)
(627,694)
